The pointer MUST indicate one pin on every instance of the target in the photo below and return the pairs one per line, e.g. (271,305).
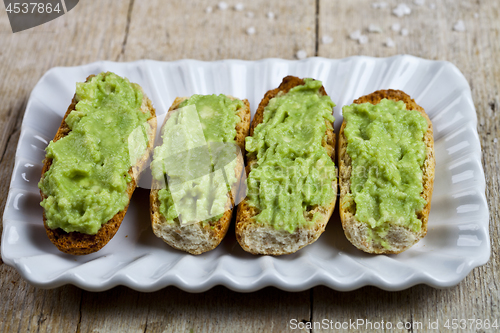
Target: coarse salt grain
(222,5)
(476,15)
(396,27)
(389,42)
(355,35)
(402,10)
(239,7)
(495,140)
(326,39)
(250,14)
(251,30)
(208,9)
(270,15)
(301,54)
(459,26)
(374,28)
(404,32)
(432,6)
(419,2)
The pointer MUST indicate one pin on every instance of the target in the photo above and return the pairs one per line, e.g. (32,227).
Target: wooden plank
(24,308)
(430,36)
(160,30)
(173,310)
(430,32)
(24,57)
(171,30)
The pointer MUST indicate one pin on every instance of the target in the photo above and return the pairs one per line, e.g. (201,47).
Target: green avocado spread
(196,161)
(86,184)
(385,144)
(293,173)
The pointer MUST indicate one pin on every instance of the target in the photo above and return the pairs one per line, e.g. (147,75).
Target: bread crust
(399,238)
(265,239)
(77,243)
(198,238)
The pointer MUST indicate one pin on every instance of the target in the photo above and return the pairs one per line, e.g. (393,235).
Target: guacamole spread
(86,184)
(196,162)
(293,172)
(385,144)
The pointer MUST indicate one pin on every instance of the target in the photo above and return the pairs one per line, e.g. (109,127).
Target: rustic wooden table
(126,30)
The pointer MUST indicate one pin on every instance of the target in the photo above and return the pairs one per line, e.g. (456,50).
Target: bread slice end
(194,238)
(264,239)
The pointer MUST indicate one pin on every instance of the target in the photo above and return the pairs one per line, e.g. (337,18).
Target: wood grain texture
(127,31)
(167,30)
(172,310)
(171,30)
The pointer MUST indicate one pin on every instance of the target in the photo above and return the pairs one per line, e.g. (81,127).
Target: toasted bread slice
(77,243)
(399,238)
(199,237)
(258,238)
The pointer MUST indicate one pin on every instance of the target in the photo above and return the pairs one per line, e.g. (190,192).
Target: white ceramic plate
(457,239)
